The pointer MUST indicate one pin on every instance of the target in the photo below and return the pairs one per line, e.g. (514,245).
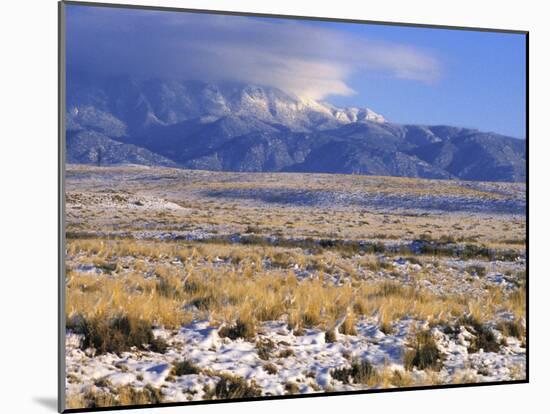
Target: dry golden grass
(75,400)
(114,397)
(237,286)
(130,295)
(314,222)
(229,282)
(389,378)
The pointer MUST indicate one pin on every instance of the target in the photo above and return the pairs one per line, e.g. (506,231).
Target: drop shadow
(47,402)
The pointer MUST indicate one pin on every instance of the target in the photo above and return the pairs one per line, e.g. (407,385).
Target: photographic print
(265,206)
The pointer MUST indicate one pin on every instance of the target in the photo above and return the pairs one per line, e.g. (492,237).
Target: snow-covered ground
(306,360)
(447,239)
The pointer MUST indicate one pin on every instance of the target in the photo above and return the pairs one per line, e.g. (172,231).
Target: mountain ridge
(238,127)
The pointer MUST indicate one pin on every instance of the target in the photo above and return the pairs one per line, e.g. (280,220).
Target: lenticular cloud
(299,57)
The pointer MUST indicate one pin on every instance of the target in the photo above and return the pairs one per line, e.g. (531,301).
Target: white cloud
(299,57)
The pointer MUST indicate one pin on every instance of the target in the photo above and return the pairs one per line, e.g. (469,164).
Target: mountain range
(240,127)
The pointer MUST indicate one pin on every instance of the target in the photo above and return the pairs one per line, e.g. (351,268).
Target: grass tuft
(484,338)
(265,347)
(185,367)
(511,328)
(360,372)
(424,353)
(243,328)
(117,335)
(231,386)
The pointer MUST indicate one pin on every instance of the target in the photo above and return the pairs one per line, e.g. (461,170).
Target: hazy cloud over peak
(305,58)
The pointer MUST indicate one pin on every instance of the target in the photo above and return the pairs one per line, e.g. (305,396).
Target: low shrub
(386,328)
(400,379)
(117,335)
(270,368)
(158,345)
(348,327)
(292,388)
(94,399)
(285,353)
(360,372)
(185,367)
(230,386)
(121,396)
(241,329)
(265,348)
(424,353)
(129,395)
(484,338)
(511,328)
(203,303)
(330,336)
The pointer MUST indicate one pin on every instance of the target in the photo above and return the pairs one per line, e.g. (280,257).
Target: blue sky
(481,84)
(409,75)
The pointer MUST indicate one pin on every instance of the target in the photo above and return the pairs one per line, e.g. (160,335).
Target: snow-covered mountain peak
(168,102)
(240,127)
